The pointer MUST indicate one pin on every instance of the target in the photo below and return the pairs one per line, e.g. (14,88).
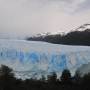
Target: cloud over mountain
(27,17)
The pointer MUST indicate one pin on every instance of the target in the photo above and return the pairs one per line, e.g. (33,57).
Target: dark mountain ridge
(80,36)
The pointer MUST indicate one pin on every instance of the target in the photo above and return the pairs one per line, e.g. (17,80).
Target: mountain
(83,28)
(79,36)
(34,59)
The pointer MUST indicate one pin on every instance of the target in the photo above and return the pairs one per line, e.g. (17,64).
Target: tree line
(71,38)
(8,81)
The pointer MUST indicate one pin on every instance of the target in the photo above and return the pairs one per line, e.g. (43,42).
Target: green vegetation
(66,81)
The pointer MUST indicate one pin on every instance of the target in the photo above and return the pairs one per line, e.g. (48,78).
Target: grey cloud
(84,6)
(24,17)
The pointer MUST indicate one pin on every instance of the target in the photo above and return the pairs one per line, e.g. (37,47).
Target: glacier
(33,58)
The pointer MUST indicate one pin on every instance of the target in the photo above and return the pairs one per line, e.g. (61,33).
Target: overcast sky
(27,17)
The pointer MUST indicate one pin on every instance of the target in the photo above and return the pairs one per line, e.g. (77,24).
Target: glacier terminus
(35,57)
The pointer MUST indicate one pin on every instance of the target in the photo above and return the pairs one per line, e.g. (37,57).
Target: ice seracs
(32,58)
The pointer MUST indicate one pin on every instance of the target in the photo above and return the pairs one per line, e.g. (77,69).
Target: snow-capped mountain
(80,28)
(33,59)
(49,33)
(83,27)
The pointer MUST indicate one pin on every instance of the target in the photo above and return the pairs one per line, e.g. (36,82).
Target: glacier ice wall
(42,57)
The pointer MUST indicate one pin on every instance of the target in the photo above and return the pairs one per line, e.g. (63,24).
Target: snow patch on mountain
(83,27)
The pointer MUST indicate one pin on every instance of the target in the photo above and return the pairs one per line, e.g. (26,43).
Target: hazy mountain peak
(83,27)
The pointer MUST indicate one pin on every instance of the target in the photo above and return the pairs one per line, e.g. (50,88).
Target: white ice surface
(35,58)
